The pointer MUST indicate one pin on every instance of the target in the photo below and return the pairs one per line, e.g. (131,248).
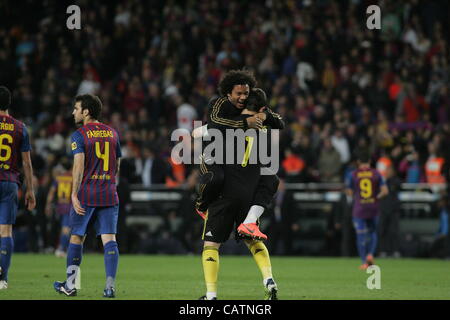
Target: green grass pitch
(148,277)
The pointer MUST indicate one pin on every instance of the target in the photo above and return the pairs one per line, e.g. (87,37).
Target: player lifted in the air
(367,186)
(96,151)
(14,148)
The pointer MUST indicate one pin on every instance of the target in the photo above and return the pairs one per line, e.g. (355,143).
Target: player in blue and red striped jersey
(14,148)
(96,151)
(367,186)
(60,192)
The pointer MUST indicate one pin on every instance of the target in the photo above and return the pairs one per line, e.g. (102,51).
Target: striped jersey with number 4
(14,139)
(101,147)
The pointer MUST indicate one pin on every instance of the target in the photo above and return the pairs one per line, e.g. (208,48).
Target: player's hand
(254,122)
(261,115)
(30,200)
(77,206)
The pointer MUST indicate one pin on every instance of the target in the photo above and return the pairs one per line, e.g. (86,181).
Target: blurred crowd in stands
(155,64)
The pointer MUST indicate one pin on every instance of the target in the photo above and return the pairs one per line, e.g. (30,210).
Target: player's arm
(349,192)
(50,198)
(117,167)
(219,117)
(384,191)
(30,200)
(349,188)
(273,120)
(118,156)
(77,176)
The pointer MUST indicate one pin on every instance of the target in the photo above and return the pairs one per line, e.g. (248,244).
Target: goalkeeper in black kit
(213,174)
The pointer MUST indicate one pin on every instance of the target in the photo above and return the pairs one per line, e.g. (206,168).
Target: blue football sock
(63,241)
(74,256)
(361,244)
(6,250)
(111,262)
(372,243)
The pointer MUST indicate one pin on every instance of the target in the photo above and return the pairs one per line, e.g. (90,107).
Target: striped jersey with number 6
(13,140)
(101,146)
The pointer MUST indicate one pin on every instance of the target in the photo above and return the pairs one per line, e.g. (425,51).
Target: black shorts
(224,216)
(227,212)
(266,190)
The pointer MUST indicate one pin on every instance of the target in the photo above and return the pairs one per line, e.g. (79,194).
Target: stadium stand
(156,64)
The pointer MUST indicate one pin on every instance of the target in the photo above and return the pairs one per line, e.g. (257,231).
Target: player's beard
(78,121)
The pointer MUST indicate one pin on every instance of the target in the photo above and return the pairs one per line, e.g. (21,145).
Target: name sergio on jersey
(99,134)
(7,126)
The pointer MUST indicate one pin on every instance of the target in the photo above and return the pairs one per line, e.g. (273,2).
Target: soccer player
(225,113)
(367,186)
(62,188)
(14,147)
(97,153)
(239,185)
(268,184)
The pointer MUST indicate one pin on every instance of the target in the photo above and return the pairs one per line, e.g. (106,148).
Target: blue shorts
(8,202)
(365,225)
(65,220)
(105,220)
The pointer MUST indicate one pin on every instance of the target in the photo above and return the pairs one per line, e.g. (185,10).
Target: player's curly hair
(256,100)
(236,77)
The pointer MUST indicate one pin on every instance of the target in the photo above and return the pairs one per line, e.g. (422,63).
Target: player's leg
(6,251)
(209,187)
(264,194)
(217,228)
(361,239)
(106,226)
(210,262)
(64,237)
(262,259)
(8,212)
(372,239)
(78,224)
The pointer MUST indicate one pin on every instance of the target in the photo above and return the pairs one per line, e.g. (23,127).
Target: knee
(76,239)
(107,238)
(6,230)
(211,244)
